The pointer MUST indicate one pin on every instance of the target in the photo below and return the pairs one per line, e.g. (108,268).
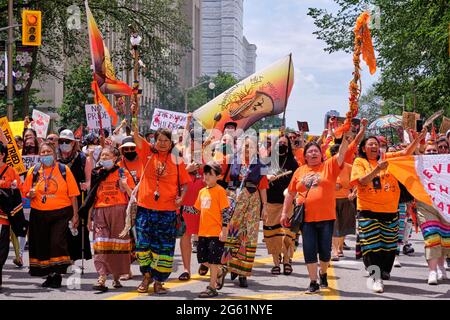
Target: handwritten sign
(445,125)
(40,123)
(30,161)
(168,119)
(409,120)
(14,159)
(92,118)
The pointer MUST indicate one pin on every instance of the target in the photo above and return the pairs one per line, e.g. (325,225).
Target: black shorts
(210,250)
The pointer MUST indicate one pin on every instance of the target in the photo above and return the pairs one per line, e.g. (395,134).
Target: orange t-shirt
(58,193)
(135,167)
(344,181)
(298,154)
(210,202)
(322,195)
(376,200)
(6,180)
(168,182)
(109,193)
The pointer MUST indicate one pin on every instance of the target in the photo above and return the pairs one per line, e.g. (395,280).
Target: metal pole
(10,88)
(185,101)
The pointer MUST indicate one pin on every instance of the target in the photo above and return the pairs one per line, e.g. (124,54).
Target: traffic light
(31,28)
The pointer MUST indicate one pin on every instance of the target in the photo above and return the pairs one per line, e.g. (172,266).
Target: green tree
(370,106)
(33,100)
(411,40)
(160,23)
(199,96)
(77,93)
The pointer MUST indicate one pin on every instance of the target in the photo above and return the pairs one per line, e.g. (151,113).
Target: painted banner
(427,178)
(262,94)
(30,161)
(168,119)
(40,123)
(14,159)
(93,121)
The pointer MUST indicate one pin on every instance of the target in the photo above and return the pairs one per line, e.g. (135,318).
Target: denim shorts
(317,237)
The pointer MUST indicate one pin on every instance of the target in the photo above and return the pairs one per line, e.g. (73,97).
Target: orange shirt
(210,202)
(109,193)
(59,191)
(376,200)
(5,182)
(168,182)
(322,195)
(135,168)
(344,182)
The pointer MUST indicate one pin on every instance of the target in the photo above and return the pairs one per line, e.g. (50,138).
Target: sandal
(116,284)
(185,276)
(287,269)
(100,285)
(221,278)
(203,270)
(335,258)
(209,293)
(276,270)
(143,287)
(126,277)
(158,288)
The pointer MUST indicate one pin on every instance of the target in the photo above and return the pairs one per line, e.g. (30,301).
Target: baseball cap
(67,135)
(127,142)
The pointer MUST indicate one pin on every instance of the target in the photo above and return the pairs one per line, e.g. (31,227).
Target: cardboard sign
(14,159)
(445,125)
(409,120)
(92,118)
(168,119)
(16,128)
(40,123)
(303,126)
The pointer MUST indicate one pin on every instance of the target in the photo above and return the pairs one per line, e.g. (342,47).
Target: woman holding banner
(378,195)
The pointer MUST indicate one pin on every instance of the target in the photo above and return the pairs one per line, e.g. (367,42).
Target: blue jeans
(317,238)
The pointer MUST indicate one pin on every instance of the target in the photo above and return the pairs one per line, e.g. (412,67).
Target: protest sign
(92,118)
(168,119)
(40,123)
(14,159)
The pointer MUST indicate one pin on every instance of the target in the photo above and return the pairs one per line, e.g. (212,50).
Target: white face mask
(65,147)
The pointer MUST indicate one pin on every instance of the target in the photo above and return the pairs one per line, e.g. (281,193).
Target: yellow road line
(329,294)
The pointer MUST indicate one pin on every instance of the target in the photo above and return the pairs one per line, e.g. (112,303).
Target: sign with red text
(427,178)
(14,159)
(40,123)
(168,119)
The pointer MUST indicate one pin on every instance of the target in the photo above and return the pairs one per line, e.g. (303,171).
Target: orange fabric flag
(99,98)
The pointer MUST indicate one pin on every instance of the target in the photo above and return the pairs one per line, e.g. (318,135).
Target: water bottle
(73,230)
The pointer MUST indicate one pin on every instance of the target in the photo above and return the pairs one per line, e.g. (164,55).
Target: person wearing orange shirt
(378,195)
(9,179)
(113,186)
(160,195)
(53,205)
(249,184)
(315,184)
(212,204)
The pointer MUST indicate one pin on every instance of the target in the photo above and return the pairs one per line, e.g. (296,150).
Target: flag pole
(287,89)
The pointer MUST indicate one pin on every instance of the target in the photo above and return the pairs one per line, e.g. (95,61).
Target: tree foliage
(160,23)
(411,38)
(77,93)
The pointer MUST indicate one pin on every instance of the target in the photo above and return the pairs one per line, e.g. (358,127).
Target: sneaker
(346,247)
(313,288)
(194,246)
(397,263)
(408,250)
(47,282)
(432,278)
(385,275)
(323,280)
(441,274)
(56,281)
(378,286)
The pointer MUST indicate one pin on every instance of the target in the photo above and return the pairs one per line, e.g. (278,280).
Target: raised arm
(342,150)
(362,131)
(413,145)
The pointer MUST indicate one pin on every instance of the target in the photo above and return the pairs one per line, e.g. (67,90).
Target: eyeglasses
(52,138)
(64,141)
(443,147)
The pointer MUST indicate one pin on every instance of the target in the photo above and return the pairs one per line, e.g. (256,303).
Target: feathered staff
(363,44)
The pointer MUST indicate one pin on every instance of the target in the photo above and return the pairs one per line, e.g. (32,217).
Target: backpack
(62,169)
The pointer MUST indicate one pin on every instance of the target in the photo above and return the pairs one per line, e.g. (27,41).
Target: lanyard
(46,180)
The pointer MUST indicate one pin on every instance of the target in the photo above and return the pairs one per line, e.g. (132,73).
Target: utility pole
(10,87)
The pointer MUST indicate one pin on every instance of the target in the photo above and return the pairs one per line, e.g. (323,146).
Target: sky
(280,27)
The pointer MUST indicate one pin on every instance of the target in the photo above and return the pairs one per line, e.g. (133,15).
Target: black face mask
(282,149)
(130,155)
(29,149)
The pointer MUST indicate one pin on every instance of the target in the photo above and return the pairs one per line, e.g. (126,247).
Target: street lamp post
(211,86)
(10,88)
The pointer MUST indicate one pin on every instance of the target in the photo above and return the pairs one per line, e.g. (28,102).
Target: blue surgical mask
(65,147)
(107,164)
(47,160)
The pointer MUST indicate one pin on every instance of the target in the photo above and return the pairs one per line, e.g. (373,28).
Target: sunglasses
(64,141)
(129,148)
